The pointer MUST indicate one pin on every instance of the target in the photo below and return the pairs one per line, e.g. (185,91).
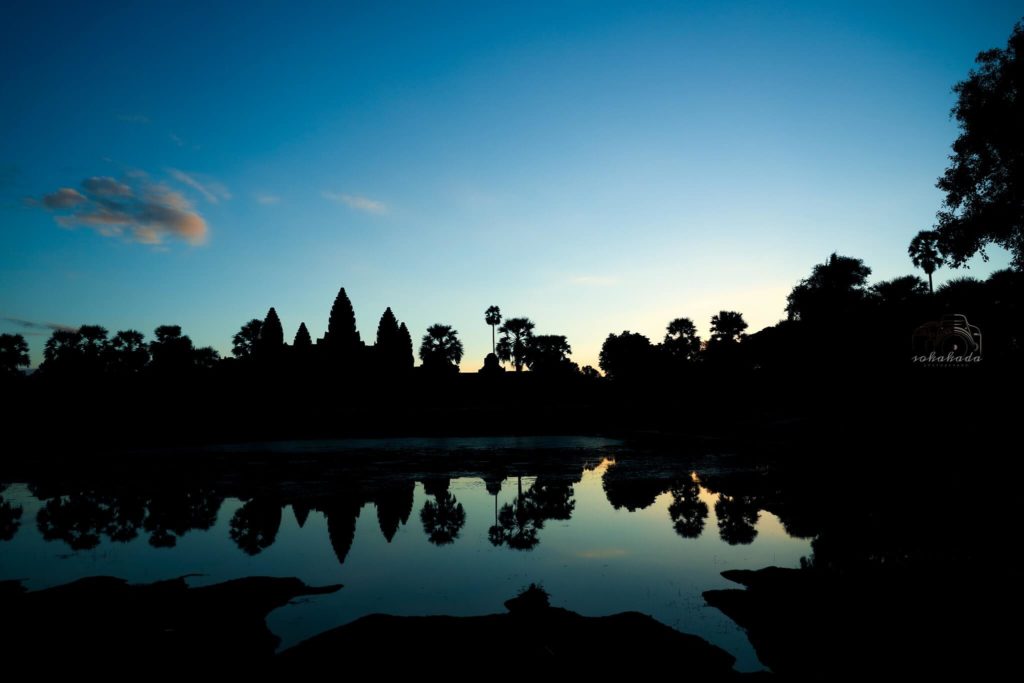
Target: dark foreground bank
(105,623)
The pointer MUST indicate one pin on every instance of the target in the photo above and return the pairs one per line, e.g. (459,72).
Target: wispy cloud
(354,201)
(136,209)
(102,186)
(63,198)
(267,199)
(176,140)
(211,190)
(41,326)
(594,280)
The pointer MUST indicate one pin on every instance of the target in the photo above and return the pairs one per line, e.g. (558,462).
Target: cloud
(64,198)
(267,199)
(33,325)
(358,203)
(137,210)
(210,189)
(106,187)
(176,140)
(594,280)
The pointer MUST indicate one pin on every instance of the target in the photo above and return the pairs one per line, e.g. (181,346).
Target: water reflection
(10,517)
(687,510)
(444,516)
(254,526)
(83,518)
(604,534)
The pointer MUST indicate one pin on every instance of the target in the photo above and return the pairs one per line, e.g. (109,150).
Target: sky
(597,167)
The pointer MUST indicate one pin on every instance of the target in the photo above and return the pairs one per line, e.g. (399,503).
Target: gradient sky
(594,166)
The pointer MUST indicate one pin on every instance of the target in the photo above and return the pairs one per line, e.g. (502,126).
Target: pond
(418,529)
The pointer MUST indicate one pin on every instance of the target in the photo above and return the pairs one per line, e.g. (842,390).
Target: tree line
(833,310)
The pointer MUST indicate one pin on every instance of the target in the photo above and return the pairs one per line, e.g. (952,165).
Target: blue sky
(594,166)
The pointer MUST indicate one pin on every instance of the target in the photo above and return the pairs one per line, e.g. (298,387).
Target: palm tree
(13,353)
(440,347)
(63,351)
(517,523)
(94,343)
(515,341)
(728,326)
(924,253)
(492,316)
(243,344)
(127,352)
(681,340)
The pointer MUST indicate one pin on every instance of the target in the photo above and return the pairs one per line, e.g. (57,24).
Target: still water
(600,538)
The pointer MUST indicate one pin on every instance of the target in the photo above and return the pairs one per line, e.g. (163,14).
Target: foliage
(984,183)
(514,346)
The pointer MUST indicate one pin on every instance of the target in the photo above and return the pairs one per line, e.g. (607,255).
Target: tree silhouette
(727,331)
(63,352)
(254,526)
(899,291)
(245,341)
(13,354)
(94,342)
(302,342)
(924,253)
(984,184)
(205,358)
(518,523)
(548,354)
(173,514)
(516,334)
(440,348)
(271,341)
(552,499)
(127,353)
(687,511)
(626,356)
(959,293)
(76,519)
(81,518)
(492,316)
(10,519)
(444,517)
(737,517)
(631,490)
(681,340)
(171,351)
(832,292)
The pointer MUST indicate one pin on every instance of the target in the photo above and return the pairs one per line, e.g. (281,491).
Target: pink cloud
(136,210)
